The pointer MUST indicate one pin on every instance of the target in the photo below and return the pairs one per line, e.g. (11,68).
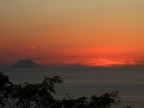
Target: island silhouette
(26,64)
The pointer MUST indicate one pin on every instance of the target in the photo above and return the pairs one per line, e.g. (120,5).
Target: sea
(87,82)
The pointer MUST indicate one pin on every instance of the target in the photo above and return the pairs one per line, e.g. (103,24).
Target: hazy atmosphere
(94,32)
(96,46)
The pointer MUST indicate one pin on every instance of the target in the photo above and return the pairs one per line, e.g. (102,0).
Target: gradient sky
(85,32)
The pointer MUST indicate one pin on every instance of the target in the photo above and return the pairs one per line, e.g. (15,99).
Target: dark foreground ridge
(26,64)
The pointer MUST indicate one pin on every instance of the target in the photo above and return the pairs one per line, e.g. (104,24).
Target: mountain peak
(26,64)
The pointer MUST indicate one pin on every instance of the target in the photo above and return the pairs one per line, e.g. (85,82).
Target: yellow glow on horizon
(109,62)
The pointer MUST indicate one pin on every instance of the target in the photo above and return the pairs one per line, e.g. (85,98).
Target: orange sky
(87,32)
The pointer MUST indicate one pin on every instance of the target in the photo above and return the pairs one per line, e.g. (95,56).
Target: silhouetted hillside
(26,64)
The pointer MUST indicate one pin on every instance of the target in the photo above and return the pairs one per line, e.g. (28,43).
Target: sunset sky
(84,32)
